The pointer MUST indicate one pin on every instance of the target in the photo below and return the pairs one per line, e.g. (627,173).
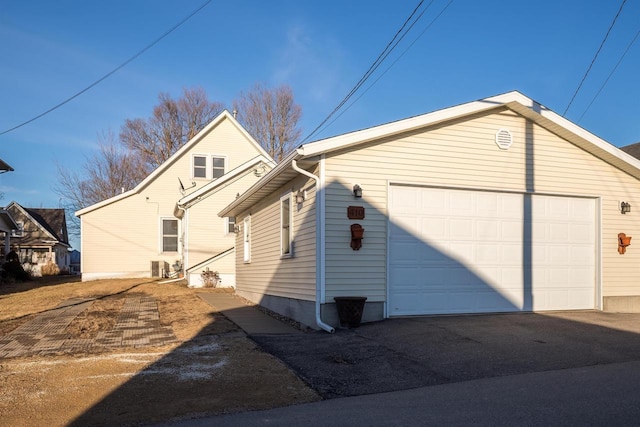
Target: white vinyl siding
(130,225)
(270,273)
(464,155)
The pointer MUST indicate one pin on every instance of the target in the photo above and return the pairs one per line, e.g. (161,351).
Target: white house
(497,205)
(167,223)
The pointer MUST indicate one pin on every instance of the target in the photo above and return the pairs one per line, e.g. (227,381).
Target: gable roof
(51,221)
(225,115)
(6,222)
(258,164)
(308,154)
(632,150)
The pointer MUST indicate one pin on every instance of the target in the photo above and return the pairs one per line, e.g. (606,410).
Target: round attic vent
(504,139)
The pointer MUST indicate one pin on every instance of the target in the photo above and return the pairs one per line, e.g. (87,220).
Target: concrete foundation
(305,311)
(622,304)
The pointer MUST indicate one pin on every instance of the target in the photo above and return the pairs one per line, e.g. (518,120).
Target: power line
(110,73)
(381,57)
(594,58)
(390,66)
(610,74)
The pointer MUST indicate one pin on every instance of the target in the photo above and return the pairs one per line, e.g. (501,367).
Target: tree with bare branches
(173,123)
(106,173)
(271,116)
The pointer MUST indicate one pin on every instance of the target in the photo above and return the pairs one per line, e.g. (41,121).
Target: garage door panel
(474,252)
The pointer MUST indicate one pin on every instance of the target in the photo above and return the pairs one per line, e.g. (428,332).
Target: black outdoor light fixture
(357,191)
(625,207)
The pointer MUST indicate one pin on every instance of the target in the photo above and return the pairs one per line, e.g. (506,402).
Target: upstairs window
(208,167)
(217,167)
(169,235)
(199,166)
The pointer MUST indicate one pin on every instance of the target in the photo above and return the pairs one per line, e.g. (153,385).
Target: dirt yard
(213,368)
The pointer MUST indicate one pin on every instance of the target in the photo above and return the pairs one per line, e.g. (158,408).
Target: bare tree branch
(271,116)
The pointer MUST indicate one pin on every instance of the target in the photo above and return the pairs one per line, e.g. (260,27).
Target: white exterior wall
(206,233)
(268,273)
(465,155)
(120,239)
(224,265)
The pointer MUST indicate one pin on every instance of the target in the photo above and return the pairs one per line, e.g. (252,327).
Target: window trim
(246,239)
(162,235)
(224,165)
(289,254)
(227,225)
(193,166)
(208,166)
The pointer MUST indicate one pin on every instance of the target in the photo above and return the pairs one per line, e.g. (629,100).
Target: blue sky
(51,50)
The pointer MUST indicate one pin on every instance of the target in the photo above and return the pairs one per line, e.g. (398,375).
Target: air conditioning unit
(159,269)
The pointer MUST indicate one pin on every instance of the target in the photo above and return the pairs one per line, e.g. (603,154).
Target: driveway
(404,353)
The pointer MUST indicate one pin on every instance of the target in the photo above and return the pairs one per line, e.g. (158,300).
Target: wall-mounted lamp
(625,207)
(357,191)
(301,196)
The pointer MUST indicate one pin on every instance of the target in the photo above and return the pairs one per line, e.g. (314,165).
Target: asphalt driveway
(404,353)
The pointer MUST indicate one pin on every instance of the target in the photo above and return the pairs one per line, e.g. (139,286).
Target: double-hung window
(208,167)
(199,166)
(286,229)
(169,235)
(217,167)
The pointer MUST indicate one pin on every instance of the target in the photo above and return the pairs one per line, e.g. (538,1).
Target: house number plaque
(355,212)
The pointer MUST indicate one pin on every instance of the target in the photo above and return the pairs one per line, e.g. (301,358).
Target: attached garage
(469,251)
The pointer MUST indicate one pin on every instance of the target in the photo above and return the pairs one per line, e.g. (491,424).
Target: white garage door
(459,251)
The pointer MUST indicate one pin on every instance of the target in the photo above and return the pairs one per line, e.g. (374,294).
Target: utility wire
(594,58)
(610,74)
(390,66)
(110,73)
(381,57)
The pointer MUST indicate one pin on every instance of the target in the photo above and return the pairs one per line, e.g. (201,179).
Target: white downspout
(184,229)
(320,244)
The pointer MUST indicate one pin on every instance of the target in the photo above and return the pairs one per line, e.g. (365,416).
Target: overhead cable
(110,73)
(391,65)
(610,74)
(594,58)
(381,57)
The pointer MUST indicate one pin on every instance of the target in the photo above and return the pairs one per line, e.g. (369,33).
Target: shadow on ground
(405,353)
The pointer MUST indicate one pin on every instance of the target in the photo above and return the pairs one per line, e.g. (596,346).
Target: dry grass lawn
(213,368)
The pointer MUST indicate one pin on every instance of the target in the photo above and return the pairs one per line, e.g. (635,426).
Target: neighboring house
(6,222)
(167,224)
(497,205)
(40,237)
(74,261)
(632,149)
